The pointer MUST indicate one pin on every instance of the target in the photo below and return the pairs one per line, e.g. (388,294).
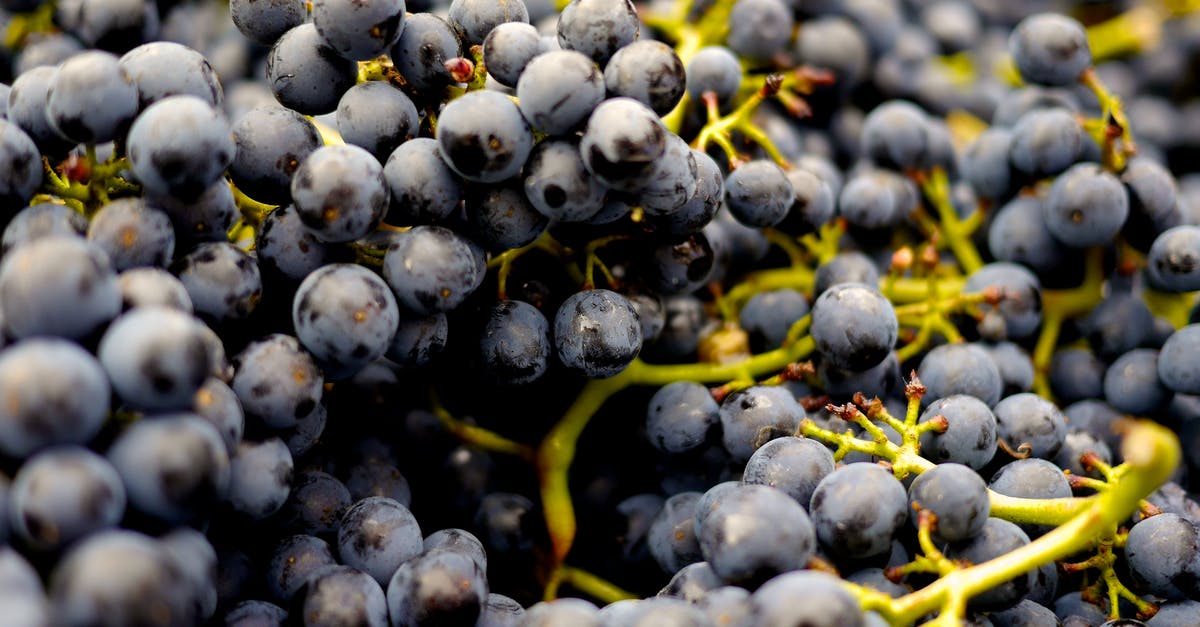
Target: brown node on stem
(992,295)
(1089,460)
(797,371)
(846,412)
(940,423)
(772,84)
(872,408)
(813,403)
(914,389)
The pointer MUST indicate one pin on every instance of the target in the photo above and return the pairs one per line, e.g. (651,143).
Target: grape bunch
(594,312)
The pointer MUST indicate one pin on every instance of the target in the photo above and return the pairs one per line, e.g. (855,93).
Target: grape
(223,282)
(1131,383)
(340,193)
(1018,234)
(266,22)
(423,187)
(377,117)
(813,203)
(792,464)
(759,29)
(647,71)
(483,137)
(1015,365)
(683,266)
(558,185)
(1153,202)
(854,326)
(107,579)
(358,30)
(426,43)
(440,586)
(1174,259)
(597,333)
(1087,206)
(60,286)
(1030,419)
(622,143)
(260,477)
(148,287)
(768,316)
(27,112)
(896,135)
(63,494)
(1045,142)
(997,538)
(680,417)
(700,209)
(460,541)
(91,98)
(671,536)
(967,369)
(206,218)
(845,267)
(161,69)
(557,90)
(432,269)
(52,392)
(835,43)
(342,595)
(1176,368)
(508,48)
(970,437)
(753,533)
(597,28)
(474,19)
(1021,306)
(306,74)
(1164,555)
(287,250)
(779,601)
(504,219)
(876,199)
(747,413)
(43,220)
(715,69)
(515,343)
(155,357)
(501,611)
(114,25)
(254,613)
(1050,49)
(675,181)
(564,611)
(985,161)
(857,509)
(1176,614)
(759,194)
(956,495)
(316,503)
(377,535)
(692,583)
(132,234)
(418,340)
(346,317)
(217,403)
(293,561)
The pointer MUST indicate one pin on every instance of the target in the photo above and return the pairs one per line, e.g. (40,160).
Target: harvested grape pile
(821,313)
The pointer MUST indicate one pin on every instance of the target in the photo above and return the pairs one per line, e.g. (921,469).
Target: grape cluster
(594,312)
